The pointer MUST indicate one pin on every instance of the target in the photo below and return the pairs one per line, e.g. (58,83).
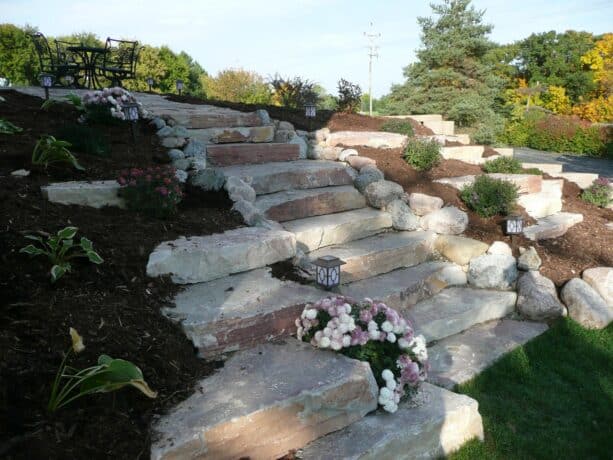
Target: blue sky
(321,40)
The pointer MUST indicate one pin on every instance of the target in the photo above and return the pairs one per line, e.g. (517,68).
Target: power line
(373,51)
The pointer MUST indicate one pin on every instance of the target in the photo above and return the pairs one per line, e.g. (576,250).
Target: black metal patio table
(89,56)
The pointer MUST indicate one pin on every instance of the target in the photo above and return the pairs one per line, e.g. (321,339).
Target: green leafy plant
(506,165)
(422,154)
(599,193)
(6,127)
(398,126)
(60,249)
(72,98)
(155,191)
(85,139)
(349,96)
(108,375)
(488,197)
(49,150)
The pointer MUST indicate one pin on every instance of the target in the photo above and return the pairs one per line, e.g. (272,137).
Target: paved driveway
(570,163)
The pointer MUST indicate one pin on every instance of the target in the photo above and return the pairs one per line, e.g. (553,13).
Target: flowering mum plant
(369,331)
(107,103)
(154,190)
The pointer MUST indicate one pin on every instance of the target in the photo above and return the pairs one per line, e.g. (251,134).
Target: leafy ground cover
(550,399)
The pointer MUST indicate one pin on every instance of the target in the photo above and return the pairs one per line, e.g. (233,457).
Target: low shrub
(505,165)
(489,197)
(85,139)
(349,96)
(422,154)
(156,191)
(533,171)
(399,126)
(292,92)
(49,151)
(599,193)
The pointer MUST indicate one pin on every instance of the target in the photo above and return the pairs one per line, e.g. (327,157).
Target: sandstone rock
(368,175)
(204,258)
(467,153)
(360,162)
(583,180)
(347,153)
(239,189)
(459,249)
(96,194)
(527,183)
(251,215)
(375,139)
(323,152)
(236,154)
(209,179)
(286,125)
(402,217)
(601,279)
(194,148)
(500,247)
(255,134)
(552,226)
(302,146)
(448,221)
(282,135)
(321,135)
(528,259)
(381,193)
(423,204)
(537,297)
(258,406)
(585,305)
(492,271)
(458,182)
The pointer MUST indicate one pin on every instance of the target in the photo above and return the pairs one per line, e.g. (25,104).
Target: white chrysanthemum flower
(347,308)
(403,343)
(327,331)
(311,313)
(324,342)
(343,328)
(346,340)
(386,393)
(318,335)
(391,384)
(336,345)
(387,375)
(374,335)
(372,326)
(387,326)
(391,407)
(299,333)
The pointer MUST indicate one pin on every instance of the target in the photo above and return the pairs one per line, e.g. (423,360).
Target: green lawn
(550,399)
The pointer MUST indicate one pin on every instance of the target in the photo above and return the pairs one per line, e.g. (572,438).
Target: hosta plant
(369,331)
(107,375)
(60,249)
(6,127)
(155,191)
(49,150)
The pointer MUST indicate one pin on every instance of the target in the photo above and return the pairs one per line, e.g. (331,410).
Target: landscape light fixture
(310,112)
(514,225)
(179,86)
(130,112)
(46,81)
(328,271)
(150,83)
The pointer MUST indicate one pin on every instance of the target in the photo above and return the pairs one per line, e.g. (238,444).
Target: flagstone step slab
(96,194)
(317,232)
(552,226)
(374,139)
(583,180)
(265,402)
(204,258)
(439,423)
(379,254)
(239,311)
(405,287)
(298,204)
(550,168)
(302,174)
(527,183)
(237,154)
(194,119)
(459,358)
(255,134)
(456,309)
(467,153)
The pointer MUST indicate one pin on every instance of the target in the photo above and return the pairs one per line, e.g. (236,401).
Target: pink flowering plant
(369,331)
(155,190)
(107,104)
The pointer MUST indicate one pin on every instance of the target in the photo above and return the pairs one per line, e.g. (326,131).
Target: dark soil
(584,246)
(114,306)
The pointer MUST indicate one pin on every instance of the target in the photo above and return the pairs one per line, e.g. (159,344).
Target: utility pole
(373,51)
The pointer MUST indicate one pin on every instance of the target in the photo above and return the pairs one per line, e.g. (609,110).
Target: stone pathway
(569,163)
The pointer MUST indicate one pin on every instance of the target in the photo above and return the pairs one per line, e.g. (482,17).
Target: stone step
(301,174)
(583,180)
(467,153)
(254,134)
(238,154)
(541,204)
(459,358)
(204,258)
(317,232)
(456,309)
(437,424)
(265,402)
(298,204)
(380,253)
(97,194)
(552,226)
(527,183)
(219,119)
(374,139)
(240,311)
(550,168)
(405,287)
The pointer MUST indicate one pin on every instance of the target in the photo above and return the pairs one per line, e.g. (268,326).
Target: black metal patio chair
(119,60)
(50,61)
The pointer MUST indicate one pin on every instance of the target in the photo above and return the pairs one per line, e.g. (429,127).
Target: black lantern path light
(179,84)
(514,225)
(150,83)
(46,81)
(310,112)
(328,271)
(130,112)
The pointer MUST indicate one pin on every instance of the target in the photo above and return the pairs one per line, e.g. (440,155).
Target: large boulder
(368,175)
(500,247)
(529,259)
(238,189)
(381,193)
(402,217)
(209,179)
(493,271)
(447,221)
(537,297)
(359,163)
(601,279)
(459,249)
(423,204)
(585,305)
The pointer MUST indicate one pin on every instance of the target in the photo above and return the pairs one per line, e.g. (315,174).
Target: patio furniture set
(82,66)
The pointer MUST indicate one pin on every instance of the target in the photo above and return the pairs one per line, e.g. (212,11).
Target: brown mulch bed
(114,306)
(585,245)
